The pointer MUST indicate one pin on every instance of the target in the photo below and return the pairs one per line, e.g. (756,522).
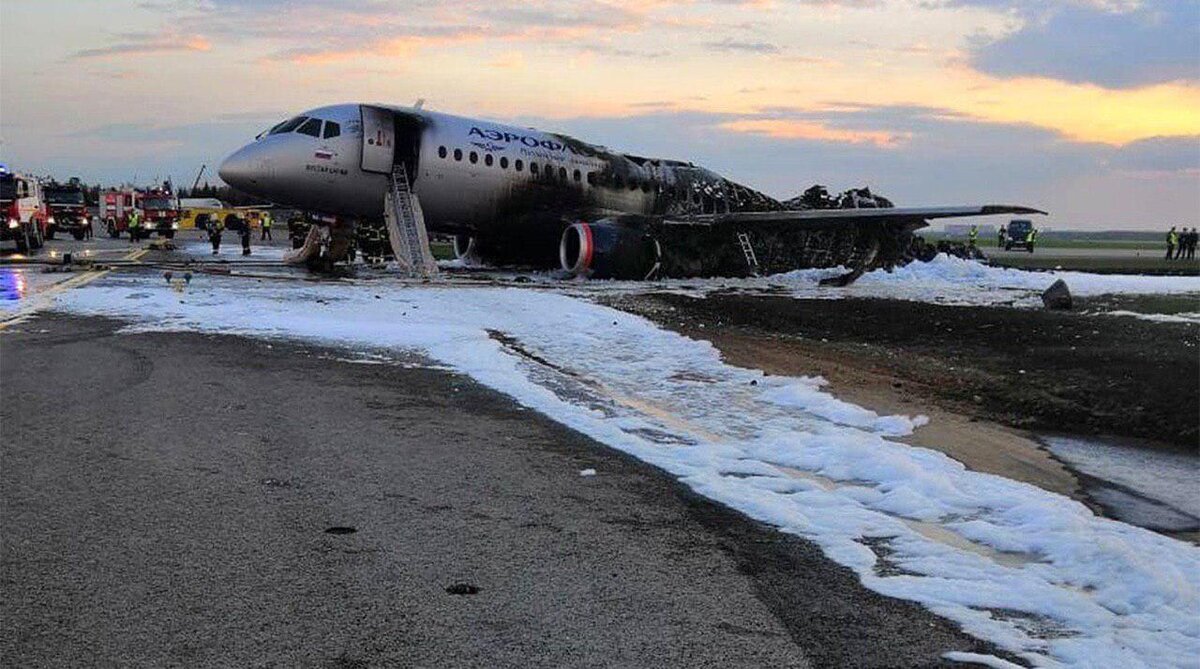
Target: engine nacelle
(609,250)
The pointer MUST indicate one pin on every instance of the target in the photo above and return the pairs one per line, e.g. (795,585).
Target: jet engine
(609,250)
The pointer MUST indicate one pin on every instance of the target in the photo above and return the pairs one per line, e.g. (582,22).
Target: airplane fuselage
(472,176)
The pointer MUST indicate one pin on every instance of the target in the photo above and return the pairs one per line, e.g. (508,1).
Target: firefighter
(973,236)
(1172,242)
(244,231)
(266,226)
(134,224)
(213,225)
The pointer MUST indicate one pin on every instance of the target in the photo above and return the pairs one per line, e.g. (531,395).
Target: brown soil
(984,376)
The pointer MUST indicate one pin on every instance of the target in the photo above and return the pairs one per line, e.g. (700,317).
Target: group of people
(1181,245)
(214,226)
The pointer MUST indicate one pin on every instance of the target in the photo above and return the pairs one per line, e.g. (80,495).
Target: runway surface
(173,499)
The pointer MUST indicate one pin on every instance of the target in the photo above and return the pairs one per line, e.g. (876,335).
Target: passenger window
(533,168)
(458,154)
(474,157)
(441,152)
(503,163)
(577,176)
(592,178)
(332,129)
(487,159)
(562,173)
(311,127)
(519,165)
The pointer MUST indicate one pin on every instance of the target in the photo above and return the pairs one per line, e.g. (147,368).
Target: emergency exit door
(379,139)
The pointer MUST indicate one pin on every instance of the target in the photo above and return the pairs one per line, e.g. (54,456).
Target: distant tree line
(223,193)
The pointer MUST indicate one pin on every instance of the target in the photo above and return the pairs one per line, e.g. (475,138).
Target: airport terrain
(198,499)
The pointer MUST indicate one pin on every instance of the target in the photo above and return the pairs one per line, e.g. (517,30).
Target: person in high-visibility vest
(973,236)
(134,224)
(1172,242)
(1030,238)
(266,226)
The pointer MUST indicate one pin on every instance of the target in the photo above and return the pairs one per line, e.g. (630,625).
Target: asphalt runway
(185,499)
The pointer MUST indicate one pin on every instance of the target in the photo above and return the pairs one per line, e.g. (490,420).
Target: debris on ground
(1057,296)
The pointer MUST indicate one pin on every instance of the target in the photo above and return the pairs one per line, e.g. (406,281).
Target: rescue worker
(1172,242)
(973,236)
(87,232)
(266,226)
(244,230)
(1193,237)
(1000,237)
(134,223)
(214,231)
(1030,238)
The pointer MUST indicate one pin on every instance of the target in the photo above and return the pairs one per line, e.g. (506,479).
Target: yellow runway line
(40,300)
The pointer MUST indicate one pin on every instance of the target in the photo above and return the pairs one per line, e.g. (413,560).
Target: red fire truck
(68,210)
(158,208)
(23,214)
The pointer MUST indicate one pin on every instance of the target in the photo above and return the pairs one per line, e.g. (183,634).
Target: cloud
(731,45)
(139,44)
(1115,43)
(815,131)
(1159,154)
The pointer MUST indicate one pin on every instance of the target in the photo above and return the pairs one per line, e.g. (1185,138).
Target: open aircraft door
(379,139)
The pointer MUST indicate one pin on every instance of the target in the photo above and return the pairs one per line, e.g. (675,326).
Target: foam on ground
(1084,591)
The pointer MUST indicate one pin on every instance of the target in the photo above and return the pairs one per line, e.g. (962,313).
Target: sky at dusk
(1087,108)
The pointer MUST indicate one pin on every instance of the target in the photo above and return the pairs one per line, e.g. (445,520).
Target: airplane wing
(826,218)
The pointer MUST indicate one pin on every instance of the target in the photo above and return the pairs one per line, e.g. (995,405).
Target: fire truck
(158,208)
(22,211)
(68,210)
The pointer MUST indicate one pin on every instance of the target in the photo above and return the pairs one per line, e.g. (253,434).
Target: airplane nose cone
(239,170)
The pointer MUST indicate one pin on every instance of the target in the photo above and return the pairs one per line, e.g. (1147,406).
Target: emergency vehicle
(68,209)
(157,206)
(22,211)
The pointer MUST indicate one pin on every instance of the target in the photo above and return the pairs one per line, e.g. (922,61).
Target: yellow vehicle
(197,211)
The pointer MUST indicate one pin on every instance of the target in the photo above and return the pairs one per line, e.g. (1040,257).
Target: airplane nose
(238,170)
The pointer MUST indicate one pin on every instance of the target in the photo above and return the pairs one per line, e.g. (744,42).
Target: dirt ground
(1028,369)
(988,378)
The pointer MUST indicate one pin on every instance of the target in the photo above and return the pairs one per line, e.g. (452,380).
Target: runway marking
(42,298)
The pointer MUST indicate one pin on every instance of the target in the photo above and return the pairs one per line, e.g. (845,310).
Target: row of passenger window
(548,171)
(306,125)
(518,164)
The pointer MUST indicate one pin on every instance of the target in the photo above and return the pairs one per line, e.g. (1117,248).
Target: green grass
(1126,265)
(442,250)
(1053,243)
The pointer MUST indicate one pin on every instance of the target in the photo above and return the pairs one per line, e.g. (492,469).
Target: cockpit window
(332,129)
(288,126)
(311,127)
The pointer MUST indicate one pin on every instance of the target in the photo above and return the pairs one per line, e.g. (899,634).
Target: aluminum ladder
(406,227)
(748,251)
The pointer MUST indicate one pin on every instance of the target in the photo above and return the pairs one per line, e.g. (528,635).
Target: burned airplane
(513,195)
